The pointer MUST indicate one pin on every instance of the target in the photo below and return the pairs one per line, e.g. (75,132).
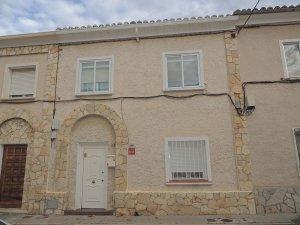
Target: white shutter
(22,82)
(187,159)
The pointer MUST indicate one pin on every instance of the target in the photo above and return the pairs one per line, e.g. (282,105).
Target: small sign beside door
(131,150)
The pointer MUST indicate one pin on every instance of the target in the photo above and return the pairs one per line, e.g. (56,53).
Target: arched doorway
(113,130)
(91,175)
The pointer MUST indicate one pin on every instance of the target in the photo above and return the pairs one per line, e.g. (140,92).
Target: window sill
(93,94)
(291,78)
(196,183)
(17,99)
(185,89)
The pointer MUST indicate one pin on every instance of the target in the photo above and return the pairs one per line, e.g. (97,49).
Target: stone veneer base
(184,203)
(271,200)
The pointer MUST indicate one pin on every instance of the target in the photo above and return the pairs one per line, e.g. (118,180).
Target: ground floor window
(187,160)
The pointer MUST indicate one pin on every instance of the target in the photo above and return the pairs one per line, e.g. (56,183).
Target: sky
(27,16)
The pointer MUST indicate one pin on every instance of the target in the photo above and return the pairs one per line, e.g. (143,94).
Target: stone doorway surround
(19,126)
(60,177)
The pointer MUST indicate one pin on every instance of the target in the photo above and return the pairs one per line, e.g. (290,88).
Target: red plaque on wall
(131,150)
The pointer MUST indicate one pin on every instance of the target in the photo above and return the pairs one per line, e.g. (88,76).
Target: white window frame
(1,157)
(296,150)
(111,75)
(7,80)
(208,163)
(283,58)
(201,85)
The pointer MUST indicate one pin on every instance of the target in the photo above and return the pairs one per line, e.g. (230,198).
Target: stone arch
(64,142)
(21,114)
(16,131)
(19,126)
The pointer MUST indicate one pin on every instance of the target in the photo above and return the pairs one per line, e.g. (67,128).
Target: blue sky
(26,16)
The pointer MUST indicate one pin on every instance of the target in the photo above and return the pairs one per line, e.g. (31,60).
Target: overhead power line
(248,17)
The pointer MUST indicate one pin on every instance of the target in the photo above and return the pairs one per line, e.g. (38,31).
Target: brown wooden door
(12,175)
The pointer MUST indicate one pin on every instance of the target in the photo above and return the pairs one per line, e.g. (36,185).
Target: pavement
(270,219)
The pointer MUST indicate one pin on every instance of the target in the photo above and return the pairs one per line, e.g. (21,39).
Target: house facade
(175,117)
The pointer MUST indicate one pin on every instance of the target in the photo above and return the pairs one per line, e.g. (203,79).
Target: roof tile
(262,10)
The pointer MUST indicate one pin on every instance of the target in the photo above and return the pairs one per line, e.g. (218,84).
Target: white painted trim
(189,184)
(208,163)
(201,85)
(1,157)
(296,149)
(79,168)
(283,58)
(7,81)
(111,75)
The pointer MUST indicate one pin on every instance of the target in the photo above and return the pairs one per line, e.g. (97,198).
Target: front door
(94,176)
(12,175)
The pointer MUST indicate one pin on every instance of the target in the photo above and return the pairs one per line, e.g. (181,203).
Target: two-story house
(174,117)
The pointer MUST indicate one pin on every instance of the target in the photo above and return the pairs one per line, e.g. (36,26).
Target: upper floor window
(291,56)
(95,76)
(187,160)
(296,132)
(20,82)
(183,71)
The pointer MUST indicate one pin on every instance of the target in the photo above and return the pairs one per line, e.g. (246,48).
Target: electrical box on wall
(250,102)
(111,160)
(55,124)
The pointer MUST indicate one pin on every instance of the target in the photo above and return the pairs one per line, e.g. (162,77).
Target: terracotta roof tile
(263,10)
(141,22)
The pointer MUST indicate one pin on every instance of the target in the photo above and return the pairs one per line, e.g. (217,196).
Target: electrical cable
(127,97)
(55,87)
(244,85)
(248,17)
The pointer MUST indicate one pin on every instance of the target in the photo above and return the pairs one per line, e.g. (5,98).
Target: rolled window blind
(22,82)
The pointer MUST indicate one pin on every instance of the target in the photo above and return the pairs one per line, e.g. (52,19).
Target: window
(291,55)
(296,132)
(183,71)
(95,76)
(187,160)
(20,82)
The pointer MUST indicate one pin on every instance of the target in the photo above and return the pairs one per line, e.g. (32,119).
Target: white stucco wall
(277,106)
(138,71)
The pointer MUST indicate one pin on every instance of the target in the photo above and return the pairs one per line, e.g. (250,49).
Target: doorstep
(13,210)
(89,211)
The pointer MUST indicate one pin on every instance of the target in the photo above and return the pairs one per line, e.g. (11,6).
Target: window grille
(187,160)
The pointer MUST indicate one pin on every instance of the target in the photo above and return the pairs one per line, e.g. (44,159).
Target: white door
(94,177)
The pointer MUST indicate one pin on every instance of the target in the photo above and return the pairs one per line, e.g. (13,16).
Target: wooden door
(12,176)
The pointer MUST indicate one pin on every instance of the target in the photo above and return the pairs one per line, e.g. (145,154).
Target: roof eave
(122,32)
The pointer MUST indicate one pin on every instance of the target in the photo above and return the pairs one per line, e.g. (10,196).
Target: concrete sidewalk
(147,220)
